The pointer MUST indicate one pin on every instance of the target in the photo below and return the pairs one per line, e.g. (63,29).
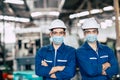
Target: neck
(93,45)
(56,46)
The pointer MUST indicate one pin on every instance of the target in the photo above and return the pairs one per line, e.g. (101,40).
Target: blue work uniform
(90,62)
(64,56)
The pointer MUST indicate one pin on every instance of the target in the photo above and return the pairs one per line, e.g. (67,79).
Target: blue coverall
(64,56)
(90,62)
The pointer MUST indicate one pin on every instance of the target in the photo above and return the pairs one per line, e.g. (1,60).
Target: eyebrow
(91,30)
(58,31)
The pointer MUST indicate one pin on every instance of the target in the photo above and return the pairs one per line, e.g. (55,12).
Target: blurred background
(24,29)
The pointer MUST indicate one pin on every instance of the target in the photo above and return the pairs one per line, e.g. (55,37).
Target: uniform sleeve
(69,70)
(86,66)
(39,69)
(113,70)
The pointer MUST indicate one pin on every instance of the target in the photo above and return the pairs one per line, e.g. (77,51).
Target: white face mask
(91,38)
(57,39)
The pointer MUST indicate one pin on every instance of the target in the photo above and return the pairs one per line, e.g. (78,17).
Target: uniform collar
(99,45)
(51,48)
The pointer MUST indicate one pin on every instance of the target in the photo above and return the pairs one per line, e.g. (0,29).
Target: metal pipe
(116,7)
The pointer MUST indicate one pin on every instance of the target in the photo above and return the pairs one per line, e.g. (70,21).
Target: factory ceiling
(76,6)
(69,7)
(17,10)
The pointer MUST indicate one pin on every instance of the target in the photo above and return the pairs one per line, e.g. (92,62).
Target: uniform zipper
(55,57)
(97,52)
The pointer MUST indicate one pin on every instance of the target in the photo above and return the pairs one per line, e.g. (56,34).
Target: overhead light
(84,13)
(95,11)
(51,13)
(14,1)
(12,18)
(108,8)
(72,16)
(22,19)
(54,13)
(34,14)
(1,17)
(113,18)
(81,14)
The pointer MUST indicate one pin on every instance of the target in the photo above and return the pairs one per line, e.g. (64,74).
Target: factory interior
(24,28)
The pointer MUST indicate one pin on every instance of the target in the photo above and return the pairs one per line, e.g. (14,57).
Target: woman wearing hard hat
(95,60)
(57,60)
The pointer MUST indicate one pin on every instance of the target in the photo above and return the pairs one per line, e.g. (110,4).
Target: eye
(90,31)
(94,31)
(87,31)
(62,32)
(55,33)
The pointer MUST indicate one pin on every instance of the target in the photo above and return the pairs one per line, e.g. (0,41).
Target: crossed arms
(54,69)
(105,66)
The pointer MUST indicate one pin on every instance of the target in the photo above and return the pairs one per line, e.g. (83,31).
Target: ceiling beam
(81,6)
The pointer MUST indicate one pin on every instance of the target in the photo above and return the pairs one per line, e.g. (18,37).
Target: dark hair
(92,28)
(56,28)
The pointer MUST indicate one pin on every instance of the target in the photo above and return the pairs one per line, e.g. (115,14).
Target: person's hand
(60,68)
(43,63)
(105,65)
(53,76)
(53,70)
(56,68)
(103,72)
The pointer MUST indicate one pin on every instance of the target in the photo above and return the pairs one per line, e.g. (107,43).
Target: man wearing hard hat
(95,60)
(57,60)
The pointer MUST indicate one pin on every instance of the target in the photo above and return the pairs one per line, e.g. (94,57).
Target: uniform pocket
(104,58)
(61,62)
(93,60)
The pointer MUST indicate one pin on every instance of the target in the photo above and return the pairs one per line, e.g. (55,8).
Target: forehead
(90,29)
(58,29)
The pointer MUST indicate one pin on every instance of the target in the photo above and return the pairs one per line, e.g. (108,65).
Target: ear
(98,32)
(65,34)
(84,33)
(50,34)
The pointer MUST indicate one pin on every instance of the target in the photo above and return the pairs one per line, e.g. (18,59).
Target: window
(39,4)
(46,3)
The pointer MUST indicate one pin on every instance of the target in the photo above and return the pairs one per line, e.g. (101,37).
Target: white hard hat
(57,23)
(90,23)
